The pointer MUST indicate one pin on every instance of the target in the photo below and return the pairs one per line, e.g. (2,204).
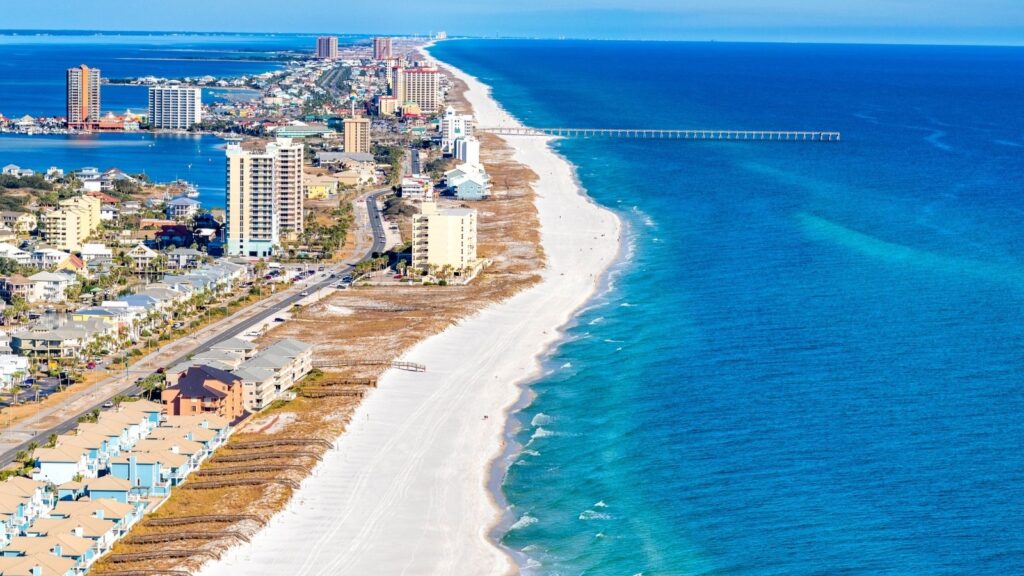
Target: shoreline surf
(413,471)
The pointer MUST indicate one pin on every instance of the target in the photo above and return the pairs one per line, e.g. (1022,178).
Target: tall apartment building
(175,107)
(264,195)
(357,135)
(387,105)
(291,179)
(422,86)
(453,127)
(396,82)
(381,48)
(444,237)
(468,150)
(83,97)
(68,226)
(327,47)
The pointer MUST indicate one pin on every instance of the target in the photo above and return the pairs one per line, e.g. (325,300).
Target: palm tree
(158,263)
(51,441)
(17,308)
(18,377)
(36,388)
(118,400)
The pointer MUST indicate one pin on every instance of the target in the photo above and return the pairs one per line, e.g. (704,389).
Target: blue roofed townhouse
(200,426)
(102,532)
(22,501)
(144,473)
(60,464)
(98,450)
(468,182)
(64,548)
(38,564)
(109,487)
(124,515)
(180,456)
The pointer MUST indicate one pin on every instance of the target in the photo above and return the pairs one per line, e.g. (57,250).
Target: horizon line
(839,42)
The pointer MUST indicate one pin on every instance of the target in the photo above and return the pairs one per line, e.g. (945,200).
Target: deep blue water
(32,81)
(198,159)
(810,363)
(33,67)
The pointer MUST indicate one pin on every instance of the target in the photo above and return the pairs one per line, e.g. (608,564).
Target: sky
(875,21)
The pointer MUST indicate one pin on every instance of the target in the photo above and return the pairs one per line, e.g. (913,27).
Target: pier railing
(748,135)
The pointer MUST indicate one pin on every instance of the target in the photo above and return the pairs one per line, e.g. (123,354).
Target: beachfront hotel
(83,97)
(357,135)
(264,195)
(175,107)
(382,48)
(419,86)
(444,237)
(327,47)
(453,127)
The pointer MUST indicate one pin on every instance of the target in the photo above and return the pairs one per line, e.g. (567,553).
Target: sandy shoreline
(407,490)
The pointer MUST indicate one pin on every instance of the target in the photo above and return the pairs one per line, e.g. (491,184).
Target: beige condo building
(444,237)
(421,86)
(68,226)
(357,135)
(264,201)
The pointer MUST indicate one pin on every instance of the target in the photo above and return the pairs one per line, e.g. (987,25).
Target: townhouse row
(233,377)
(91,486)
(127,316)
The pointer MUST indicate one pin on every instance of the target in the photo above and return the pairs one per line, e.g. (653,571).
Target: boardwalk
(748,135)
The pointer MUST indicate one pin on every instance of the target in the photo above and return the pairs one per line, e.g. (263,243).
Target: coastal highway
(241,327)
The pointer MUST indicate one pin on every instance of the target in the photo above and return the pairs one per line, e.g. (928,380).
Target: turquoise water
(810,361)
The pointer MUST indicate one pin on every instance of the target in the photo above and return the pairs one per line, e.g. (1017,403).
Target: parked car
(108,404)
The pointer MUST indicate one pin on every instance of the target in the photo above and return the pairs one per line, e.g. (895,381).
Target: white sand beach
(405,491)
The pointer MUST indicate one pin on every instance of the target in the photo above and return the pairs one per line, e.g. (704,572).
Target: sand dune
(406,489)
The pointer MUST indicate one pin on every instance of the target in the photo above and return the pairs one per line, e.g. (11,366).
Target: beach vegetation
(34,182)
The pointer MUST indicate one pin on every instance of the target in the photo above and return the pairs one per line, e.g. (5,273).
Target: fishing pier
(654,134)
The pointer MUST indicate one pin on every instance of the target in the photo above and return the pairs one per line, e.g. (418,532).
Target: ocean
(808,360)
(33,66)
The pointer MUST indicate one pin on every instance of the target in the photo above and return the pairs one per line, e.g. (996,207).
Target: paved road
(376,226)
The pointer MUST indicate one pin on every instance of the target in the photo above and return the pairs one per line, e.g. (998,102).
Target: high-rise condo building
(468,150)
(444,237)
(264,195)
(453,127)
(83,97)
(381,48)
(327,47)
(290,155)
(422,86)
(175,107)
(396,81)
(357,135)
(387,105)
(69,225)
